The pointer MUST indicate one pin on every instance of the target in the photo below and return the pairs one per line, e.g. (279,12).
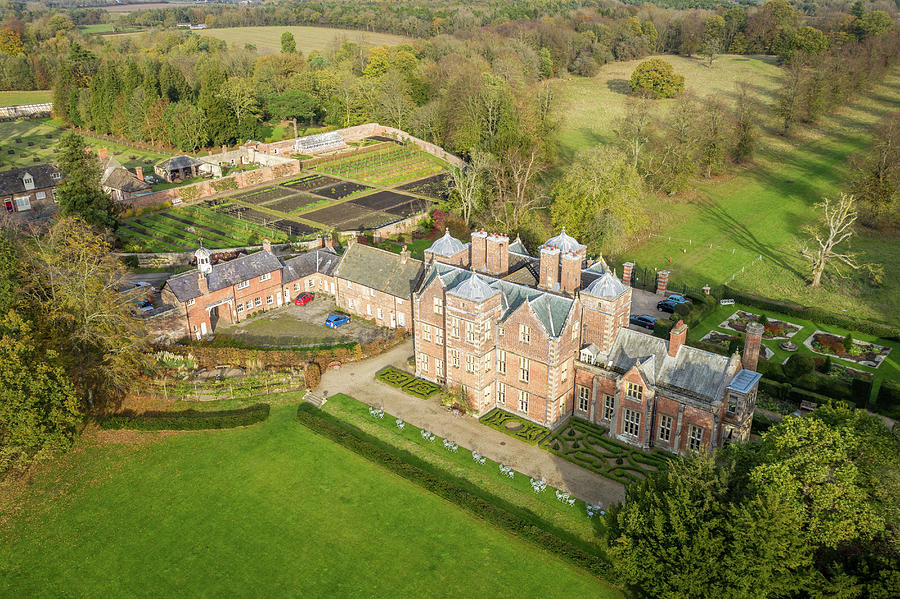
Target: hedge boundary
(516,520)
(187,420)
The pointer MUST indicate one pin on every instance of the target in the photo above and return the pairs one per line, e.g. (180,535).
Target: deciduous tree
(657,77)
(835,227)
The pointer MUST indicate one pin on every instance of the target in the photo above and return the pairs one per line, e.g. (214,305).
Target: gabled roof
(380,270)
(517,247)
(551,310)
(693,370)
(12,181)
(178,162)
(315,261)
(224,274)
(446,245)
(116,176)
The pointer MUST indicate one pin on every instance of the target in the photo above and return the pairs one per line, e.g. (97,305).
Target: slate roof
(693,370)
(517,247)
(563,242)
(474,288)
(551,310)
(11,181)
(321,261)
(607,286)
(744,380)
(446,245)
(224,274)
(380,270)
(116,176)
(178,162)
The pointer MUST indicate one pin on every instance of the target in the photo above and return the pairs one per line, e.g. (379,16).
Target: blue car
(644,320)
(676,298)
(336,320)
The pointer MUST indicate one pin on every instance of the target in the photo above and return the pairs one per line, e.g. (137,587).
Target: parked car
(145,306)
(677,298)
(336,320)
(644,320)
(666,306)
(304,298)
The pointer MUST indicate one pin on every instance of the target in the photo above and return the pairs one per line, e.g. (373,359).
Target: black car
(644,320)
(666,306)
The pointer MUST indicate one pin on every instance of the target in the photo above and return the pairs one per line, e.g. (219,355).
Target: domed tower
(606,305)
(204,265)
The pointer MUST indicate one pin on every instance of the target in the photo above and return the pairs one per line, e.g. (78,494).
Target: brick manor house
(543,337)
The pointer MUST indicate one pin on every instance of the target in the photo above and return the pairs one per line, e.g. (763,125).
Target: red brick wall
(366,302)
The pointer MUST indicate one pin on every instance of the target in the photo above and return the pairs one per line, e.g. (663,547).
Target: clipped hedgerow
(512,518)
(187,420)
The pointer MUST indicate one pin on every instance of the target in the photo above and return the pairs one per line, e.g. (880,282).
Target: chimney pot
(139,172)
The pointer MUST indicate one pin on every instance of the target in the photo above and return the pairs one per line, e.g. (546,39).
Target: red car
(304,298)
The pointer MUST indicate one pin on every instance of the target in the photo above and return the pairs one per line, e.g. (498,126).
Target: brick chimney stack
(677,337)
(202,283)
(752,341)
(267,246)
(404,255)
(139,172)
(570,272)
(497,254)
(479,251)
(102,154)
(549,268)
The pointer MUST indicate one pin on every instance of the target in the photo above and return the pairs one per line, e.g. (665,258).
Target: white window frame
(257,301)
(634,391)
(501,393)
(454,327)
(240,308)
(438,305)
(426,332)
(523,401)
(695,438)
(265,277)
(584,398)
(23,203)
(439,336)
(609,407)
(470,363)
(471,333)
(242,285)
(501,361)
(524,369)
(423,362)
(665,428)
(270,300)
(454,358)
(631,423)
(524,333)
(41,195)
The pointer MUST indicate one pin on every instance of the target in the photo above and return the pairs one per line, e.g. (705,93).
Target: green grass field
(759,209)
(260,511)
(16,98)
(34,141)
(268,39)
(385,167)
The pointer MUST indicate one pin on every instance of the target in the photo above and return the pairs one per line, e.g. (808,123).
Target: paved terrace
(358,380)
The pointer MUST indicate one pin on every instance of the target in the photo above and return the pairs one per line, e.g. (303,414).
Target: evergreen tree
(80,193)
(288,43)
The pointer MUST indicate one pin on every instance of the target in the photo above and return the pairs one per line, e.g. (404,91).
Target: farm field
(268,39)
(316,518)
(28,142)
(15,98)
(728,223)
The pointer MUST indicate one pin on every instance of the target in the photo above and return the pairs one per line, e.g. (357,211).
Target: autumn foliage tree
(658,78)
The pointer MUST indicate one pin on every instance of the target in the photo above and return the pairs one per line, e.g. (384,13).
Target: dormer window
(28,181)
(56,176)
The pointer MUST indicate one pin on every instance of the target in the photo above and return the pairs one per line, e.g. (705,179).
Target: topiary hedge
(515,519)
(187,420)
(888,401)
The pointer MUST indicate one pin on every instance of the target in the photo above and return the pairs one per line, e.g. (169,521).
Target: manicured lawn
(255,511)
(268,39)
(16,98)
(712,233)
(571,518)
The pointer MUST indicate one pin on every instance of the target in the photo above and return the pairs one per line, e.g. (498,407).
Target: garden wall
(189,194)
(180,259)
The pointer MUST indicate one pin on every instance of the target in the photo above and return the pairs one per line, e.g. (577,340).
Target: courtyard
(299,326)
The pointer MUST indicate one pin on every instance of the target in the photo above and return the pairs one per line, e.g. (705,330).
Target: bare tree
(466,184)
(515,198)
(634,127)
(835,228)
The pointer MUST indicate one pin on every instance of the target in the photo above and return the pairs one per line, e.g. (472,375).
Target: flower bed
(774,329)
(512,425)
(839,371)
(861,352)
(583,443)
(407,383)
